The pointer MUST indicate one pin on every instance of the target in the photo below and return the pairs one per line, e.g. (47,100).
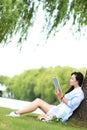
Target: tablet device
(56,83)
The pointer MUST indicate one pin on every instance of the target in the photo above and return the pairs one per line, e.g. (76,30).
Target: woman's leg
(37,103)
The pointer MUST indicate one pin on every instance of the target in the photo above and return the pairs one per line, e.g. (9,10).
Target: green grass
(30,122)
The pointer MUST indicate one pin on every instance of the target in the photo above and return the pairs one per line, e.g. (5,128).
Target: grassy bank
(30,122)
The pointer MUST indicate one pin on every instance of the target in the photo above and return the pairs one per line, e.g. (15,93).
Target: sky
(63,49)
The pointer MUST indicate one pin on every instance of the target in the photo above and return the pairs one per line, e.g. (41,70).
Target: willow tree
(17,16)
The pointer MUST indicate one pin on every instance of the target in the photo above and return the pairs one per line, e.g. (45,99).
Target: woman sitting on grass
(68,102)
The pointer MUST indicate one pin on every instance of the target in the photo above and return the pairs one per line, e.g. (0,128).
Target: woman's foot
(14,114)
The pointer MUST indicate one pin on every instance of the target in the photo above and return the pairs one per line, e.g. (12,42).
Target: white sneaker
(14,114)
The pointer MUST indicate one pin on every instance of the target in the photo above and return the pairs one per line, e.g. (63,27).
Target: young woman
(68,102)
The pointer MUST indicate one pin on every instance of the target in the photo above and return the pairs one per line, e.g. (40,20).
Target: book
(57,84)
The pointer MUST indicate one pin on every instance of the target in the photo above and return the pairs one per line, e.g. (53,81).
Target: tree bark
(81,111)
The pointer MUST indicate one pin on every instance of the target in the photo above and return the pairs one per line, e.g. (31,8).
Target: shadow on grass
(78,123)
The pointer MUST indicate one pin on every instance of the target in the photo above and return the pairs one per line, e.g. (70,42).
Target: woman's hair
(79,77)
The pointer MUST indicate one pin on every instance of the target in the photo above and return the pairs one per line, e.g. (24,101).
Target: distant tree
(4,79)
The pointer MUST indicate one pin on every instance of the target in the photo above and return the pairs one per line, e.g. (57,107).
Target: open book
(56,83)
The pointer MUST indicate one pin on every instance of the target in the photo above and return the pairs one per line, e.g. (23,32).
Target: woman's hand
(58,94)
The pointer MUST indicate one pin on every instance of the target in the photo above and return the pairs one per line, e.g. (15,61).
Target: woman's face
(73,81)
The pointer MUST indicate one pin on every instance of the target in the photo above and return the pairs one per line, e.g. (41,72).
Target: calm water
(15,104)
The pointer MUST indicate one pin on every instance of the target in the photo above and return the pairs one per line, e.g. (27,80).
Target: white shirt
(63,110)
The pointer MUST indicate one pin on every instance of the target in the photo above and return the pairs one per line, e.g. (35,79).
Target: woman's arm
(60,96)
(65,100)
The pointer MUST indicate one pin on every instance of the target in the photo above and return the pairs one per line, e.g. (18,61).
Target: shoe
(45,118)
(14,114)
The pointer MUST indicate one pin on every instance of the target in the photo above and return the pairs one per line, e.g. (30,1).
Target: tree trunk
(81,111)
